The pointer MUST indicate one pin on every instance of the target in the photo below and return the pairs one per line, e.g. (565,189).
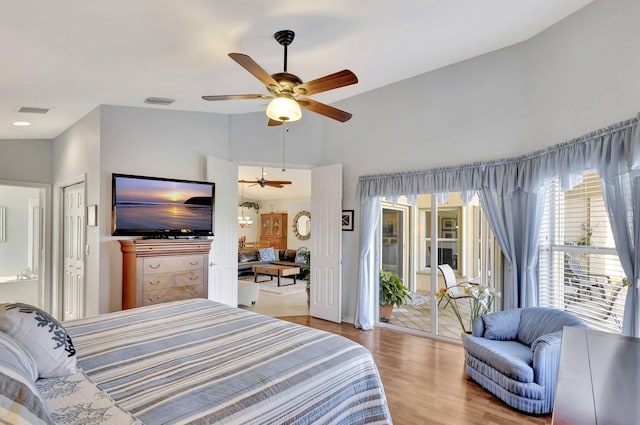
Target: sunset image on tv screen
(162,205)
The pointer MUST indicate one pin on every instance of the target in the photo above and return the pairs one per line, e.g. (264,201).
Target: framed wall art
(347,220)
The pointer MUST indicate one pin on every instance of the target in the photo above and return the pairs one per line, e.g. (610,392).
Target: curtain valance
(611,151)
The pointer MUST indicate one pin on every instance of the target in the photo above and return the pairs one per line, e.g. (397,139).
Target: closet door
(73,283)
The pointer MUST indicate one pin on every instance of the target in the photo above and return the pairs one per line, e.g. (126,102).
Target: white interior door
(223,258)
(73,240)
(326,254)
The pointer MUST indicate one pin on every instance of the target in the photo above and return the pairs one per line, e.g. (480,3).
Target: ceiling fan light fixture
(283,108)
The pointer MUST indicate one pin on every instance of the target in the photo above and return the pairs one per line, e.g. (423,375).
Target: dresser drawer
(172,264)
(172,294)
(155,281)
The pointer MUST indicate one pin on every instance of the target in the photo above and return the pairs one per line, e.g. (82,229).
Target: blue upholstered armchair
(515,354)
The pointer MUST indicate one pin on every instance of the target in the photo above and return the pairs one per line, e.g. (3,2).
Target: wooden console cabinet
(273,229)
(156,270)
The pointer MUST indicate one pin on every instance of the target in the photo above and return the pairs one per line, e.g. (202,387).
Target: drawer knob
(151,266)
(157,282)
(193,277)
(194,263)
(194,292)
(156,298)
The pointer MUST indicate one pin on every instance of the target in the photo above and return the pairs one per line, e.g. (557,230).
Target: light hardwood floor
(424,379)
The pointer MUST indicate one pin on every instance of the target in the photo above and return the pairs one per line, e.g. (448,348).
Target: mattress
(198,361)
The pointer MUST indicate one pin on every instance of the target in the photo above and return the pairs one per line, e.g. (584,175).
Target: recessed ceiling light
(22,123)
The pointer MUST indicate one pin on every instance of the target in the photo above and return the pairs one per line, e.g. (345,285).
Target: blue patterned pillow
(19,398)
(267,254)
(42,335)
(301,255)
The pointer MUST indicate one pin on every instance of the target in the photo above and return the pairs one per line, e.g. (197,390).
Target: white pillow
(42,335)
(20,401)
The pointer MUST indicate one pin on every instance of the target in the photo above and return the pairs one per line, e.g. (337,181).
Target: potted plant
(306,273)
(392,292)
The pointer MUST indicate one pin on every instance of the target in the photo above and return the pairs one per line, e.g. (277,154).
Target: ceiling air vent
(159,101)
(31,110)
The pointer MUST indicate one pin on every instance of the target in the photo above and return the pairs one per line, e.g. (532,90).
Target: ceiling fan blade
(256,70)
(237,96)
(326,110)
(247,181)
(273,123)
(328,82)
(279,186)
(278,182)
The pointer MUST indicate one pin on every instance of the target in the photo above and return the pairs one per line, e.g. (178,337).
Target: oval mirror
(302,225)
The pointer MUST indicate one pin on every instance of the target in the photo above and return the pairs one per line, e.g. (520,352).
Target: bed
(199,361)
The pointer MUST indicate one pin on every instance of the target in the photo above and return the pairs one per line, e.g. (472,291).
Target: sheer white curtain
(622,194)
(515,187)
(368,275)
(515,221)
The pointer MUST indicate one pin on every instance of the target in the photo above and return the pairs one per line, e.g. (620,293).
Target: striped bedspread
(199,361)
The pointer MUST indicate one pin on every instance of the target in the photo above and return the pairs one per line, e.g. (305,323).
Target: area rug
(417,299)
(272,286)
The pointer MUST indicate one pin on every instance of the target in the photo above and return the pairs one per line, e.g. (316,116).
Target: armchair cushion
(510,358)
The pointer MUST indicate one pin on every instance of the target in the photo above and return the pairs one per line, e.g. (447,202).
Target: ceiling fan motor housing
(284,37)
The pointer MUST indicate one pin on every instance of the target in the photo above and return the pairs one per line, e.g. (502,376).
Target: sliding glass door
(459,236)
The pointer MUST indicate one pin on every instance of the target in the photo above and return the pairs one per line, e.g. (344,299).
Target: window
(579,269)
(449,231)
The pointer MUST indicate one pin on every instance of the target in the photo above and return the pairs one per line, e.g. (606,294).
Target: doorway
(22,243)
(257,205)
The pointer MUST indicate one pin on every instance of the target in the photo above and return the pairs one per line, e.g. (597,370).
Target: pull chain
(284,131)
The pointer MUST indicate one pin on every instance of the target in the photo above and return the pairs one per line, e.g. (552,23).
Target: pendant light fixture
(243,220)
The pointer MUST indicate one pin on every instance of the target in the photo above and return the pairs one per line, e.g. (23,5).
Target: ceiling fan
(288,91)
(264,182)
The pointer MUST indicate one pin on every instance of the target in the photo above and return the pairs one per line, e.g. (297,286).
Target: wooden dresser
(273,229)
(156,270)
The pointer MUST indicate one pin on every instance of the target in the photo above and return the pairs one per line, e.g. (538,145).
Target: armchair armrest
(546,358)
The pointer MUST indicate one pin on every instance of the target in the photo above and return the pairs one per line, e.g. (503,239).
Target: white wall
(149,142)
(26,160)
(14,251)
(583,74)
(294,207)
(76,155)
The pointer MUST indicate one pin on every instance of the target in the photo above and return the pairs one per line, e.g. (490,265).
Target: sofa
(249,257)
(514,354)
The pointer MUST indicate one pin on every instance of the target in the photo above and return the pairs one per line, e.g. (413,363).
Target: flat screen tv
(161,207)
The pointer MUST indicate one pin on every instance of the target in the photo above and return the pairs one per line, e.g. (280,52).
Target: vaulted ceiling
(70,56)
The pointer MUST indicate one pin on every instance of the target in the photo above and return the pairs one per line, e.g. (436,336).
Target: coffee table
(272,270)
